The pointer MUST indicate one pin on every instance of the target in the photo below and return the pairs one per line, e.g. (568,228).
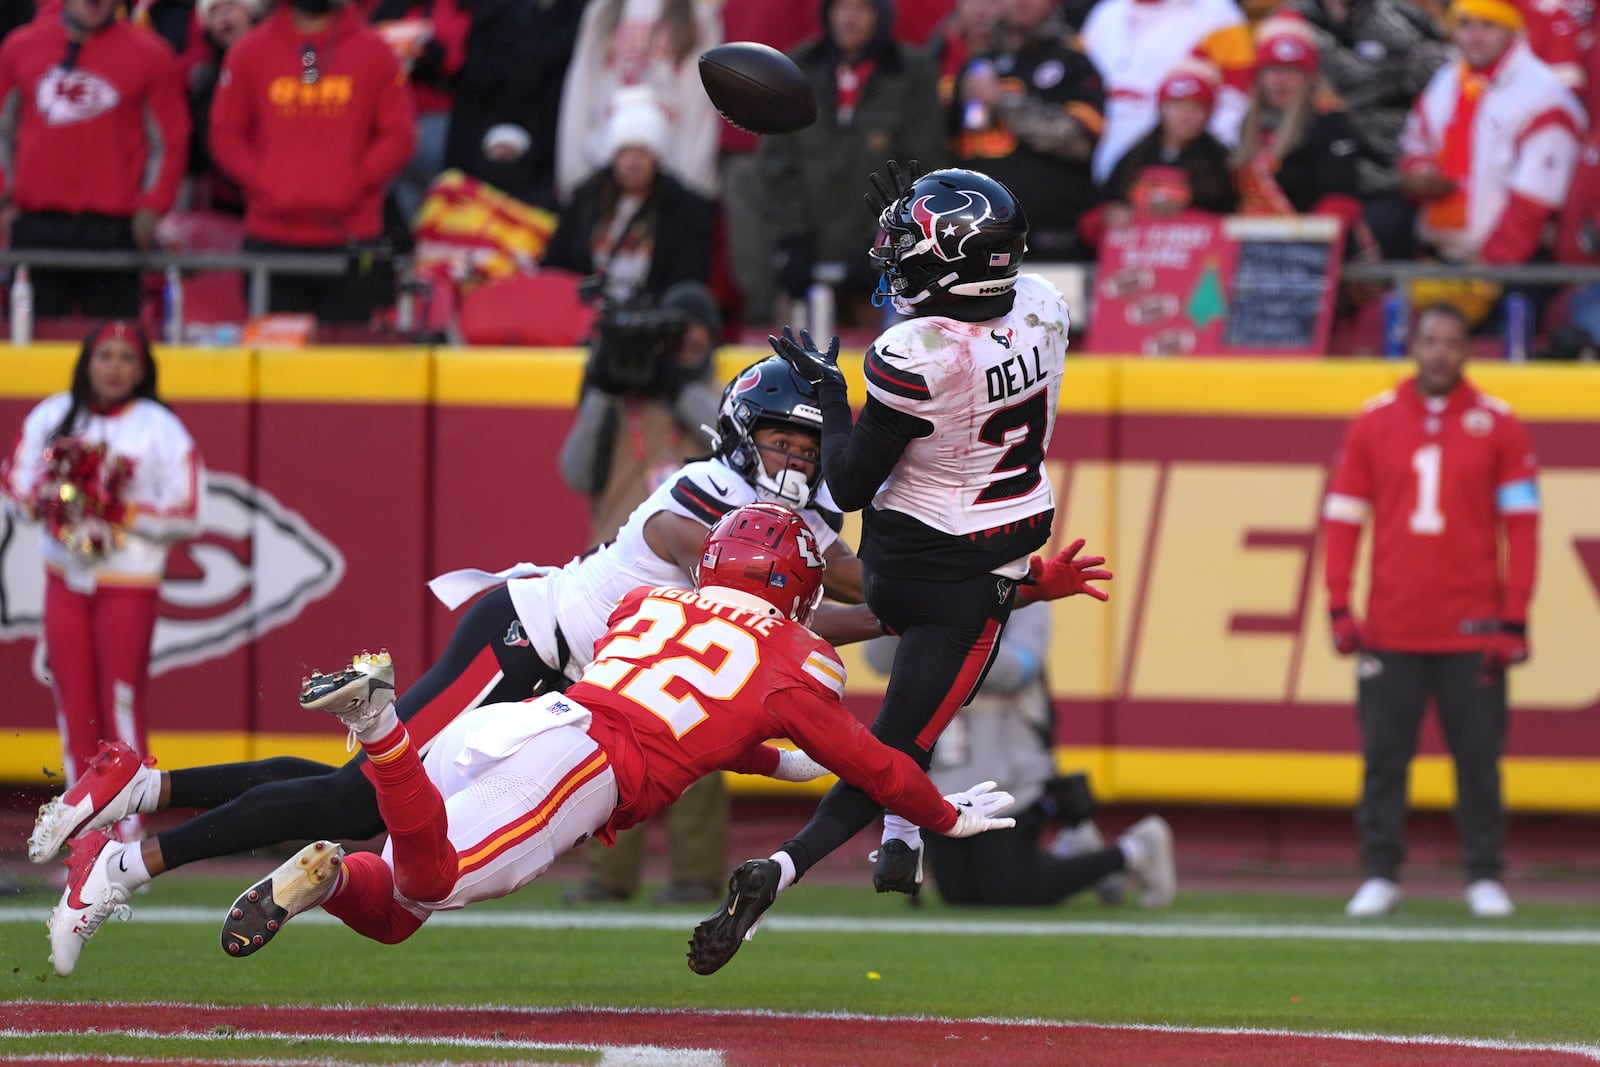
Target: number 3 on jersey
(1022,460)
(617,667)
(1426,518)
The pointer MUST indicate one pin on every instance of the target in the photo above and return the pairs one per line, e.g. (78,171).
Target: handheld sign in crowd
(1198,284)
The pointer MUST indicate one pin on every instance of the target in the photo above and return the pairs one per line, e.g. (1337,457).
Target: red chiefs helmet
(768,551)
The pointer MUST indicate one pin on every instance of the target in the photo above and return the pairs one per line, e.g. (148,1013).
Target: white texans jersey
(579,598)
(989,390)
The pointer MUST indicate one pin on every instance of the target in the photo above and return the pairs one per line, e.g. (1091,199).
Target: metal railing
(259,266)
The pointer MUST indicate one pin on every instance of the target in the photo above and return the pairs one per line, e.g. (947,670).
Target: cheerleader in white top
(114,479)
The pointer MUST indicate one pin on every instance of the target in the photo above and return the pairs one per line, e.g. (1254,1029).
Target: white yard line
(1228,928)
(610,1055)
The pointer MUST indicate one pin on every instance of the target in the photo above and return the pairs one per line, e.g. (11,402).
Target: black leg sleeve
(341,804)
(210,787)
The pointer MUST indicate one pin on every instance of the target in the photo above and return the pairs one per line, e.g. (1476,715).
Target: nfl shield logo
(999,259)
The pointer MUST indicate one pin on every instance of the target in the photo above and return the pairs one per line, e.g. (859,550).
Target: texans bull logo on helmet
(746,381)
(945,234)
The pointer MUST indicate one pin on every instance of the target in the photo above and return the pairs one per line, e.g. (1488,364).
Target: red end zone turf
(753,1039)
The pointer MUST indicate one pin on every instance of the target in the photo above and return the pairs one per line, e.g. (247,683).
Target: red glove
(1346,633)
(1506,647)
(1062,575)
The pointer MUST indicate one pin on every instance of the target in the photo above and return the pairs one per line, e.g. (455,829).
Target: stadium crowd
(488,141)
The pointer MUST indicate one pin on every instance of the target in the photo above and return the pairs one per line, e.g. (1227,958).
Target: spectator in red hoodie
(313,120)
(94,132)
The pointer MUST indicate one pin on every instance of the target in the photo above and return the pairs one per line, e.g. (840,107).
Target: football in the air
(757,88)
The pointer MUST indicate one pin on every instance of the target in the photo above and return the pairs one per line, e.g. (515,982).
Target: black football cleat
(897,868)
(751,891)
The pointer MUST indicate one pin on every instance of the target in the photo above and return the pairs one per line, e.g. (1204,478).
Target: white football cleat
(1487,899)
(91,897)
(1155,872)
(1377,896)
(299,884)
(356,695)
(108,792)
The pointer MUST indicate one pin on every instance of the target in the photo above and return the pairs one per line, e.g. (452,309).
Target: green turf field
(1262,960)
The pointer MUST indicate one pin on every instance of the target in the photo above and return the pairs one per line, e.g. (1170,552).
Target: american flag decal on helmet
(999,259)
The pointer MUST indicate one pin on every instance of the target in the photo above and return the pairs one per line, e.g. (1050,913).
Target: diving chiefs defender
(682,684)
(946,462)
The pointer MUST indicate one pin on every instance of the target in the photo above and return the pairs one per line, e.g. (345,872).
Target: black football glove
(901,179)
(815,367)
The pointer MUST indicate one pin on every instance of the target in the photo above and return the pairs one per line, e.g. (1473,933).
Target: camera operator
(648,395)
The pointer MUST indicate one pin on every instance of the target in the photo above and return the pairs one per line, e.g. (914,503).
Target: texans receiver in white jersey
(946,463)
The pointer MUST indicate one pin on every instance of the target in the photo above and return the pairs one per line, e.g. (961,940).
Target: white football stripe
(1229,928)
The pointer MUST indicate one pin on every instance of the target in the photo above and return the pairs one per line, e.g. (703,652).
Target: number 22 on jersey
(627,663)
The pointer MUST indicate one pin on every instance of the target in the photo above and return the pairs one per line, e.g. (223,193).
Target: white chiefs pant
(522,783)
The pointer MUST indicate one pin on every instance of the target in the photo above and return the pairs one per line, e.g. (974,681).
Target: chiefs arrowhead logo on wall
(255,567)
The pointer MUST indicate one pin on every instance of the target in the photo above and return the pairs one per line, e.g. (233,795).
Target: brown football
(757,88)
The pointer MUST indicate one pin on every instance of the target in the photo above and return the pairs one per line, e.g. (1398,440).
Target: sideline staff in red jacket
(94,137)
(1449,479)
(313,120)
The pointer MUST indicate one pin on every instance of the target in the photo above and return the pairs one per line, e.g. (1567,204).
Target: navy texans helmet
(954,233)
(769,394)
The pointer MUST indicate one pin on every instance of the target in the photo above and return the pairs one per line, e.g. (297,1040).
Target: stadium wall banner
(342,479)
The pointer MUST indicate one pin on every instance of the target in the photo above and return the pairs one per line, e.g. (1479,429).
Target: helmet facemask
(769,395)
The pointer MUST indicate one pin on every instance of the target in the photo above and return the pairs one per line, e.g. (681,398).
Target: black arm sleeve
(856,460)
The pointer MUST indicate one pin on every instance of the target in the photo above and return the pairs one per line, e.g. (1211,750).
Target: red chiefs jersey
(108,136)
(1439,485)
(683,685)
(312,146)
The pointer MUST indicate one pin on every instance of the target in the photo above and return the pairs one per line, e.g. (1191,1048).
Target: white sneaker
(299,884)
(1377,896)
(91,897)
(108,792)
(1154,873)
(356,695)
(1487,899)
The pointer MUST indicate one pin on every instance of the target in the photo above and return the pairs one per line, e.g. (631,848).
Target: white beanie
(636,122)
(256,8)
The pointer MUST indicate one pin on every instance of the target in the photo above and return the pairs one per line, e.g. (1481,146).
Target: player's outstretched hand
(814,366)
(1063,575)
(901,179)
(977,808)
